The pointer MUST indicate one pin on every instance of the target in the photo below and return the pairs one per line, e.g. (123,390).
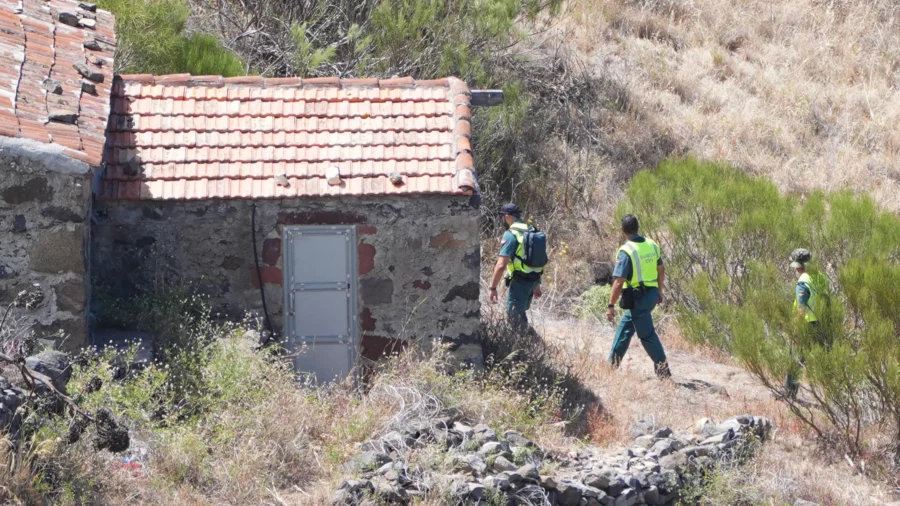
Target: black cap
(512,210)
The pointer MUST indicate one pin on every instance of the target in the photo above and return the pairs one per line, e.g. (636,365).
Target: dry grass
(264,439)
(803,92)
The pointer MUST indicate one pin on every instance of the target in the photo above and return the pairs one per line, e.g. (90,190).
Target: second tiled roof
(56,67)
(184,137)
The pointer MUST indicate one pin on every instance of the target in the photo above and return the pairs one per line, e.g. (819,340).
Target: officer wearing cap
(523,282)
(810,297)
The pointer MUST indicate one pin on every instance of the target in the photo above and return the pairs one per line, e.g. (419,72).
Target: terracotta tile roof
(184,137)
(56,69)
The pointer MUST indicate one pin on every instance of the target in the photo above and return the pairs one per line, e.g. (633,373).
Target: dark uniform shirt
(803,294)
(623,261)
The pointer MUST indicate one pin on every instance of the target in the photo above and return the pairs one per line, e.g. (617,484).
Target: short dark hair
(630,224)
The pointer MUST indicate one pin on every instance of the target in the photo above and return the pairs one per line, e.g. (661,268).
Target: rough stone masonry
(45,200)
(418,260)
(481,468)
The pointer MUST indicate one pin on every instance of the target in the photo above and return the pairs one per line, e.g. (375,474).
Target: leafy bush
(727,238)
(247,428)
(148,33)
(150,37)
(203,55)
(183,330)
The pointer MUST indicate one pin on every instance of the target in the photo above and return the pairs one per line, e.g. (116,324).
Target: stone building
(340,212)
(55,76)
(347,203)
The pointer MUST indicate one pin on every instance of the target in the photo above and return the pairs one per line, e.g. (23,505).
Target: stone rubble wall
(45,204)
(487,469)
(419,259)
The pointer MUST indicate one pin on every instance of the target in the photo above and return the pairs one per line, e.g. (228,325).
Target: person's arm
(620,272)
(499,270)
(508,245)
(803,294)
(661,279)
(613,298)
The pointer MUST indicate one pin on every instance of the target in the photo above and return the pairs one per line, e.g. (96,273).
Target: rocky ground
(481,468)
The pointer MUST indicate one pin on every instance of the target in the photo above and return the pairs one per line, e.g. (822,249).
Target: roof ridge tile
(397,82)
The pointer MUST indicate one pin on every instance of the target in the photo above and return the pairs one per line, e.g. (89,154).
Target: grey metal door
(320,298)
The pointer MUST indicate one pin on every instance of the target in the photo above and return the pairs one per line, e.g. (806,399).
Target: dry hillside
(802,91)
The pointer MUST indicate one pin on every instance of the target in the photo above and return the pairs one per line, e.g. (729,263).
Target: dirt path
(702,374)
(705,385)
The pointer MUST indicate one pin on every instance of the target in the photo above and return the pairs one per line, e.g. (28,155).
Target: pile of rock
(482,468)
(53,364)
(11,397)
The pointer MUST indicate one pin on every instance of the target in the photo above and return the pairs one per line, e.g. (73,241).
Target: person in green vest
(639,269)
(810,296)
(523,282)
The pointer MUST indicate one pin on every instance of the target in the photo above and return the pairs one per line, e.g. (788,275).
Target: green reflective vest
(518,229)
(644,259)
(818,288)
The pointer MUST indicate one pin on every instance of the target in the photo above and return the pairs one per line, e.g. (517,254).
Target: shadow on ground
(528,360)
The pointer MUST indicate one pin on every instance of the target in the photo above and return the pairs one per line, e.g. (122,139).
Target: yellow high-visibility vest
(644,259)
(818,286)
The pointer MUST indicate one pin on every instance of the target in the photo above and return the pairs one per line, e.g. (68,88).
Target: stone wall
(478,467)
(419,259)
(44,207)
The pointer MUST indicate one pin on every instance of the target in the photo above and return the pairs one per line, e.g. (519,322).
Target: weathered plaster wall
(419,259)
(44,209)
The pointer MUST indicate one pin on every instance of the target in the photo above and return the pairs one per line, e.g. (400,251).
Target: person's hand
(493,297)
(538,292)
(611,314)
(662,298)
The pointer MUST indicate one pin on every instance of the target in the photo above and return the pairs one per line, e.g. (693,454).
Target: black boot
(662,370)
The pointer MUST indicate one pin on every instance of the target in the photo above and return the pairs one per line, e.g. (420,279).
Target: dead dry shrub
(648,26)
(530,365)
(20,468)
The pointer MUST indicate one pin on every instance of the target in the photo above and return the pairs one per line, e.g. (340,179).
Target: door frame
(353,341)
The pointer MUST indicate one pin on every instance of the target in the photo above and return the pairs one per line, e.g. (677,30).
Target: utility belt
(527,277)
(631,294)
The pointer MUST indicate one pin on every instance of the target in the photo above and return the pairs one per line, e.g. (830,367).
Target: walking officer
(810,299)
(523,282)
(639,278)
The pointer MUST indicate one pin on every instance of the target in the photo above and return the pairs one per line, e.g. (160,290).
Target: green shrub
(148,33)
(202,55)
(150,39)
(184,333)
(727,237)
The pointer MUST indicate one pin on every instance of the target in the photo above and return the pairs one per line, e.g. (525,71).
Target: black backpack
(534,248)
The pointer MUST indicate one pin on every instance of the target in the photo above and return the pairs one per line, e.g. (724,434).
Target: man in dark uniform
(524,283)
(811,295)
(639,267)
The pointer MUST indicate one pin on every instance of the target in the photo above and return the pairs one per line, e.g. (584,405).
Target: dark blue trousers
(640,321)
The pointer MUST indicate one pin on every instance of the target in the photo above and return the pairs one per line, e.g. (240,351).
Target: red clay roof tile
(35,46)
(211,137)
